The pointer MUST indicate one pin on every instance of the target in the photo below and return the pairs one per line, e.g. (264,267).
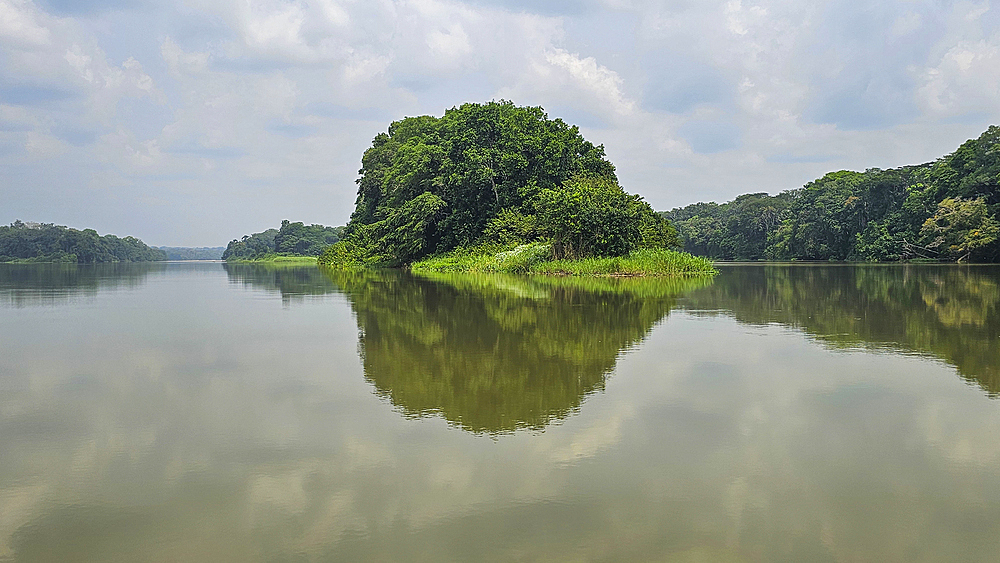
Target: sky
(194,122)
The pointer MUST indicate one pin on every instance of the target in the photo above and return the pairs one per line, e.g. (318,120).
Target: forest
(292,239)
(484,180)
(47,242)
(193,252)
(946,210)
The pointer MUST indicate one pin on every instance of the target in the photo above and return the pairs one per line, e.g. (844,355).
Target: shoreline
(534,259)
(275,259)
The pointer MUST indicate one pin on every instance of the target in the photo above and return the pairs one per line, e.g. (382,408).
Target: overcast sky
(193,122)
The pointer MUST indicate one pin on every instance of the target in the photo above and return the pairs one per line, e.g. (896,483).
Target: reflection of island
(492,354)
(952,312)
(26,285)
(292,281)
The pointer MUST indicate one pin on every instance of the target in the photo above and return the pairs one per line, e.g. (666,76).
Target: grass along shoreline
(276,259)
(535,258)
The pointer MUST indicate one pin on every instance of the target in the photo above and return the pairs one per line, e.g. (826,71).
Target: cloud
(678,86)
(966,79)
(708,137)
(265,106)
(19,25)
(604,84)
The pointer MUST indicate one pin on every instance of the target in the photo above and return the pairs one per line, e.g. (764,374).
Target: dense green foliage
(193,253)
(292,239)
(951,312)
(492,353)
(640,262)
(46,242)
(251,246)
(943,210)
(496,175)
(593,216)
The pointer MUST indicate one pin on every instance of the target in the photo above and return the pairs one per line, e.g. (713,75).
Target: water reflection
(193,420)
(30,285)
(950,312)
(493,354)
(293,282)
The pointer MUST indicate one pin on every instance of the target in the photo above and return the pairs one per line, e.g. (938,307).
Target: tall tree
(432,184)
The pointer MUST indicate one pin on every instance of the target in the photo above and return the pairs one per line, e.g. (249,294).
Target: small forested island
(47,242)
(290,243)
(193,252)
(499,188)
(946,210)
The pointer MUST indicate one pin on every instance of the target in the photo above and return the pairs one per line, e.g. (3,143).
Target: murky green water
(210,412)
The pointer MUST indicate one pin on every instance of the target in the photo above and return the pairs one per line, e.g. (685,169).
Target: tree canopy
(491,171)
(47,242)
(946,210)
(290,239)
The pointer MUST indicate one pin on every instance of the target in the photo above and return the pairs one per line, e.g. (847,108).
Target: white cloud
(966,79)
(130,154)
(451,43)
(41,146)
(19,24)
(602,82)
(285,95)
(906,24)
(180,62)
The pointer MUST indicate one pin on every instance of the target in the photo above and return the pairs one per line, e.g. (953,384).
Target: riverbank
(67,259)
(276,259)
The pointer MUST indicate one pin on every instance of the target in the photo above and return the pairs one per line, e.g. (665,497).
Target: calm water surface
(212,412)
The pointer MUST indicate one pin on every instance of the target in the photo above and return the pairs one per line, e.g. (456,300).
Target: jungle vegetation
(943,210)
(485,180)
(292,239)
(193,253)
(47,242)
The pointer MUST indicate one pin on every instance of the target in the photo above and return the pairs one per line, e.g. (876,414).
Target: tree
(960,228)
(46,242)
(593,216)
(920,211)
(453,176)
(296,239)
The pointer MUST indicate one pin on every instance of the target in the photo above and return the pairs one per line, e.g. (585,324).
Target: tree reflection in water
(293,281)
(29,285)
(493,354)
(947,311)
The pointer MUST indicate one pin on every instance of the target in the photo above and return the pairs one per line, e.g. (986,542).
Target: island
(193,252)
(499,188)
(292,243)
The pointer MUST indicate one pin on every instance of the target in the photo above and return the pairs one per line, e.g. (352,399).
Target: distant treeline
(46,242)
(942,210)
(193,253)
(290,239)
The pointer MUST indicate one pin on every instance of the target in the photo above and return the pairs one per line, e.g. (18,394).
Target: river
(216,412)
